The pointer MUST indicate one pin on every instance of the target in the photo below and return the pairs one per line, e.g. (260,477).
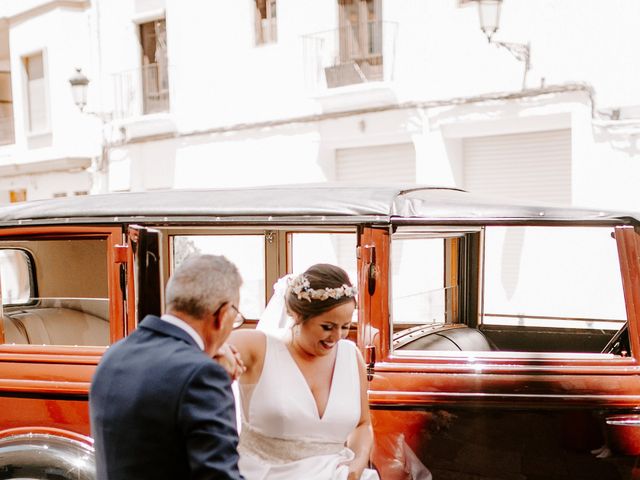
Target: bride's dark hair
(320,276)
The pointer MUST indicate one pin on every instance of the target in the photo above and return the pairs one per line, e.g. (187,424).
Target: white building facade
(199,93)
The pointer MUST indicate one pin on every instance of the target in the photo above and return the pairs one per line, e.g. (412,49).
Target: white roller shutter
(533,166)
(377,164)
(374,164)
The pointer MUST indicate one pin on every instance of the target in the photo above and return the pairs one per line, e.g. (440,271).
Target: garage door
(526,166)
(384,163)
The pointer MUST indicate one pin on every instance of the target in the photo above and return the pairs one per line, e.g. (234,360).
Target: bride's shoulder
(248,341)
(352,347)
(355,357)
(247,336)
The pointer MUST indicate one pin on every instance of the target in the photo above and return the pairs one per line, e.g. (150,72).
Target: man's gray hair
(201,284)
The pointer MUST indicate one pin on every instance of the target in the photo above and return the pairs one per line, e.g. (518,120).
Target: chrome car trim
(37,455)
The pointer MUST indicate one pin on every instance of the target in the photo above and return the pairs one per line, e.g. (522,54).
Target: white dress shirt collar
(173,320)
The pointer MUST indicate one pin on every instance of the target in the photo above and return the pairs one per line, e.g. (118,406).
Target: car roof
(329,203)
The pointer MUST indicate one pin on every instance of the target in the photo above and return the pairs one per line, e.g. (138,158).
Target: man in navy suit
(161,407)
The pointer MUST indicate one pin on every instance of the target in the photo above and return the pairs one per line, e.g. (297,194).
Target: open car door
(145,295)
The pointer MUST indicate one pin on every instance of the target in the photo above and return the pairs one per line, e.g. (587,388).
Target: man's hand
(229,358)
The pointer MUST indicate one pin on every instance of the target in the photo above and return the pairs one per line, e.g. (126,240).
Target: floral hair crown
(301,288)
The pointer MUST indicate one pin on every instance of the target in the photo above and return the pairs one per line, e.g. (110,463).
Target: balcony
(142,91)
(350,55)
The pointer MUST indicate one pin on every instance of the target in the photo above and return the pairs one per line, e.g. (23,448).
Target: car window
(553,289)
(247,251)
(55,292)
(250,253)
(15,276)
(426,289)
(556,277)
(531,289)
(306,249)
(419,282)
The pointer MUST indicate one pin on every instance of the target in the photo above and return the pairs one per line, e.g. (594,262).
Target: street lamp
(79,83)
(79,86)
(489,15)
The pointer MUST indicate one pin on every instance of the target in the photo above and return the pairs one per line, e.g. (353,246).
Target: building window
(155,74)
(18,195)
(359,55)
(266,23)
(360,32)
(6,110)
(37,112)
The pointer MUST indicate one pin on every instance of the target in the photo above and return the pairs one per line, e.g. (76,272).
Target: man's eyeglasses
(239,320)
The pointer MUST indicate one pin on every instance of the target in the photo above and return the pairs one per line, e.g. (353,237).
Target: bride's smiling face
(320,334)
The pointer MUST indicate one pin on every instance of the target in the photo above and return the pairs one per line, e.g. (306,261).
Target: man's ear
(218,316)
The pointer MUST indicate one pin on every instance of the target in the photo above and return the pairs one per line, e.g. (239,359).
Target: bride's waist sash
(280,450)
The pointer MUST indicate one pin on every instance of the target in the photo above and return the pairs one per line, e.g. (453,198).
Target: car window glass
(246,251)
(15,276)
(55,292)
(307,249)
(425,290)
(552,276)
(418,279)
(551,289)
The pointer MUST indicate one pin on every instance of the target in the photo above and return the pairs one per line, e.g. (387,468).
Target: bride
(303,396)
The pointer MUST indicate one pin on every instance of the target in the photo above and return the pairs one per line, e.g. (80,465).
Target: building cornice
(44,7)
(319,117)
(66,164)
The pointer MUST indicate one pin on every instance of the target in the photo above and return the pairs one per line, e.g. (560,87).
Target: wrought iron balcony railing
(142,91)
(352,54)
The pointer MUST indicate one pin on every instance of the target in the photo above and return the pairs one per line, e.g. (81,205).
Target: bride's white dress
(282,435)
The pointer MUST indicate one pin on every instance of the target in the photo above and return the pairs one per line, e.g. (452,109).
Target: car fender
(40,453)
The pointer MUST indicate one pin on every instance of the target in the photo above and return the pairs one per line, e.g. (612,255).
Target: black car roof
(313,203)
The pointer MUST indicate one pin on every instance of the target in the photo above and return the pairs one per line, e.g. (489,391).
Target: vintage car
(501,340)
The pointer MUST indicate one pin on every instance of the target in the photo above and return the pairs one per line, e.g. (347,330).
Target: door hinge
(370,360)
(369,260)
(270,237)
(120,253)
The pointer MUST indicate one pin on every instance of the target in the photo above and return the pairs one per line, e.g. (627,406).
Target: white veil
(275,320)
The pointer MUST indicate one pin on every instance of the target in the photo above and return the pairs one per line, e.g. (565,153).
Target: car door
(145,292)
(483,361)
(62,306)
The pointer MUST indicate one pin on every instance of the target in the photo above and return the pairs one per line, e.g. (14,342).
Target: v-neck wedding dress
(283,437)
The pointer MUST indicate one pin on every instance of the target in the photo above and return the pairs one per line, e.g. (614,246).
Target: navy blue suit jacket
(162,409)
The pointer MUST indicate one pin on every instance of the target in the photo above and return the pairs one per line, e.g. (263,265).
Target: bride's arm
(251,345)
(361,439)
